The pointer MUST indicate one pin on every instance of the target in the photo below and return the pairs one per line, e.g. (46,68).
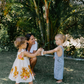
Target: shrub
(73,52)
(5,43)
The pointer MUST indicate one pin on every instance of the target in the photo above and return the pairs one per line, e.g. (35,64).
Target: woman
(31,47)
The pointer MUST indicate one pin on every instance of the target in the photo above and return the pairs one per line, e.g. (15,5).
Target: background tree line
(44,18)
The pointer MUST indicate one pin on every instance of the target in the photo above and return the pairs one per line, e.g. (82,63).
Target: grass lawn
(73,70)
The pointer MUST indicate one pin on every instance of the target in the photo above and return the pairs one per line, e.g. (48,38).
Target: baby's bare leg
(30,82)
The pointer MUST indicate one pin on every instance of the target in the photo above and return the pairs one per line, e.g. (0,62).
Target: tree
(45,18)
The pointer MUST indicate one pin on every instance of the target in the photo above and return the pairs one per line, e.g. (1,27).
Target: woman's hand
(40,49)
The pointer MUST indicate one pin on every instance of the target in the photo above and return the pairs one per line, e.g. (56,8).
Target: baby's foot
(33,73)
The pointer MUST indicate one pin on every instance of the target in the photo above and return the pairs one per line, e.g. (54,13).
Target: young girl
(21,71)
(59,57)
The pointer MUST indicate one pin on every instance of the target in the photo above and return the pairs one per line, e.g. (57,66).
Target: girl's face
(58,41)
(31,40)
(24,45)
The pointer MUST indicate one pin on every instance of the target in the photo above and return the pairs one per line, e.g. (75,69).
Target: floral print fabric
(21,70)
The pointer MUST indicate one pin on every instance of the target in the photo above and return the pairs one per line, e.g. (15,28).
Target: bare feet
(33,73)
(59,81)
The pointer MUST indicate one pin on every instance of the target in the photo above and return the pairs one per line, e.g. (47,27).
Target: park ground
(73,70)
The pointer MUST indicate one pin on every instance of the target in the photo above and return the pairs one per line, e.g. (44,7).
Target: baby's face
(58,41)
(24,45)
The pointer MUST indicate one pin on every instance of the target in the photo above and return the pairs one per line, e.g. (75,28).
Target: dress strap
(62,47)
(21,52)
(62,51)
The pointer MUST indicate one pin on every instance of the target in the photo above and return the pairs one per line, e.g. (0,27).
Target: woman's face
(31,40)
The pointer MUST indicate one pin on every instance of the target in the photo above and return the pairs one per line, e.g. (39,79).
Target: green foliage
(3,37)
(78,53)
(67,18)
(5,43)
(19,17)
(73,52)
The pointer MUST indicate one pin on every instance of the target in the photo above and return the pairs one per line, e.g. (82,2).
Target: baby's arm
(51,51)
(31,55)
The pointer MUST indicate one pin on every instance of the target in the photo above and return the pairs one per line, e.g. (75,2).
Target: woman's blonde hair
(19,41)
(61,36)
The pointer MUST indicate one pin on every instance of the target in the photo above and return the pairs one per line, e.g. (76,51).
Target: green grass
(73,72)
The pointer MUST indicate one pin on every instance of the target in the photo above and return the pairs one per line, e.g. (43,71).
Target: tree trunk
(39,21)
(47,23)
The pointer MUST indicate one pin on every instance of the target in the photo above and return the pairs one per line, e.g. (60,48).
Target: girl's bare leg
(16,83)
(30,82)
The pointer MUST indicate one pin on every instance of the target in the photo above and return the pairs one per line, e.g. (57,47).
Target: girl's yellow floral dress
(21,71)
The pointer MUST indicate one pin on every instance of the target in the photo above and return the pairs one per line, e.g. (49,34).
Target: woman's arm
(51,51)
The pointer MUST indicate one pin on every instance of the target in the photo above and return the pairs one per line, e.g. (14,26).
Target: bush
(73,52)
(5,43)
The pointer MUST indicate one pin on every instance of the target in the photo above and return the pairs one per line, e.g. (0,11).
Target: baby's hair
(61,36)
(19,41)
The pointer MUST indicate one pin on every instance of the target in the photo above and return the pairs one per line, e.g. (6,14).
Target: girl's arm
(52,51)
(31,55)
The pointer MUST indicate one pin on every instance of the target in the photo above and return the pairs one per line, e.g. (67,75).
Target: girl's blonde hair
(19,41)
(61,36)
